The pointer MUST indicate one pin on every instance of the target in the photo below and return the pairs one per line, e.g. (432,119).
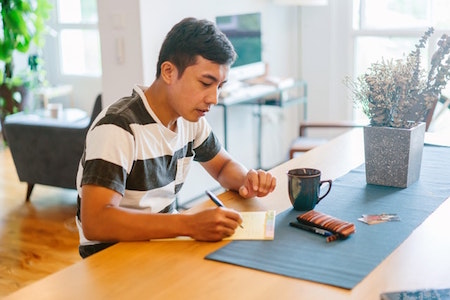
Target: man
(139,149)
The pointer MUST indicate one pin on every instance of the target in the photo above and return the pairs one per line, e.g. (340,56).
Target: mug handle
(329,188)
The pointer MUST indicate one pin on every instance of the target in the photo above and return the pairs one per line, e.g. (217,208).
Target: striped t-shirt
(129,151)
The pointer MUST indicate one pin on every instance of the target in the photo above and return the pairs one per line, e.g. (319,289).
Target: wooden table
(178,270)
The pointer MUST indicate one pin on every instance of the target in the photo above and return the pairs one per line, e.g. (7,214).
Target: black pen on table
(216,201)
(313,229)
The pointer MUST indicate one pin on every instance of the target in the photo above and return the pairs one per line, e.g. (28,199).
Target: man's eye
(206,84)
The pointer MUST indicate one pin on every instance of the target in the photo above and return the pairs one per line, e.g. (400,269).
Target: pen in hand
(216,201)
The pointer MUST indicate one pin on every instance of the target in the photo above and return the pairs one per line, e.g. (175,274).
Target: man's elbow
(92,229)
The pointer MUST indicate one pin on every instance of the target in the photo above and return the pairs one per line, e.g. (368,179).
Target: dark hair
(190,38)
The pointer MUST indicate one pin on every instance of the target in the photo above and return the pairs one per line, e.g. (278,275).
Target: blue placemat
(431,294)
(344,263)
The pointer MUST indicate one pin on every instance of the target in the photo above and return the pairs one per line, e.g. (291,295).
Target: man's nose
(213,97)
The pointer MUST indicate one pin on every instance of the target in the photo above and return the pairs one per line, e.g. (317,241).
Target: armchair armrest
(330,125)
(304,143)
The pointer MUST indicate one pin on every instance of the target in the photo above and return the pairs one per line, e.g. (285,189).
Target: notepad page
(257,225)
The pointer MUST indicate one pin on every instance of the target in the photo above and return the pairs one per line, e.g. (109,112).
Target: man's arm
(234,176)
(104,220)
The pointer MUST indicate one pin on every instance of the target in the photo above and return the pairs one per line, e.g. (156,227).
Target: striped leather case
(340,229)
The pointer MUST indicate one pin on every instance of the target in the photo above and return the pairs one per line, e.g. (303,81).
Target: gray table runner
(344,263)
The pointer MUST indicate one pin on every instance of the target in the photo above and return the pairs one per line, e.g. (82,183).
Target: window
(390,28)
(78,37)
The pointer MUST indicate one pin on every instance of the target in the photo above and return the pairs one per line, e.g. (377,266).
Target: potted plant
(399,98)
(23,24)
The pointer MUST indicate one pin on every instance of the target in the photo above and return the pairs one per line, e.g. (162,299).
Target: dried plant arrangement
(399,93)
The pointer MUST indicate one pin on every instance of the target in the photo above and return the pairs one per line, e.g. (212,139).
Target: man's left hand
(257,183)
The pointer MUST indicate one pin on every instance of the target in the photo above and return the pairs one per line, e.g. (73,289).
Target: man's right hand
(214,224)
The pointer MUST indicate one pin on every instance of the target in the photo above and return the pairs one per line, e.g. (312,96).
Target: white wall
(120,23)
(327,58)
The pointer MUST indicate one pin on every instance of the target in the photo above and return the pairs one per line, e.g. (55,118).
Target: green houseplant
(23,24)
(399,98)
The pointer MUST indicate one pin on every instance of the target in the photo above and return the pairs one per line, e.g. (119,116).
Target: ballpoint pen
(316,230)
(216,201)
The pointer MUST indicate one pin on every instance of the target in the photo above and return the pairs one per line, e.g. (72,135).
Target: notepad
(257,225)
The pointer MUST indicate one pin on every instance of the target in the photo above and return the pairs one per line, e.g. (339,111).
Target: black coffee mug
(304,188)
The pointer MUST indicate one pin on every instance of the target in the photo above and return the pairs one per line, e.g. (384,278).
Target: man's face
(192,95)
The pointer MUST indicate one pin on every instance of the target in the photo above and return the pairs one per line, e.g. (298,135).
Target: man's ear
(168,72)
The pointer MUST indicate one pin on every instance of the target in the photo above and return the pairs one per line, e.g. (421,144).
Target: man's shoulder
(130,110)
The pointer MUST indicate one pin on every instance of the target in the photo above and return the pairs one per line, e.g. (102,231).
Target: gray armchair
(47,151)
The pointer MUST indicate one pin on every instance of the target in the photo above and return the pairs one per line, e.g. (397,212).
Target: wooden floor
(36,238)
